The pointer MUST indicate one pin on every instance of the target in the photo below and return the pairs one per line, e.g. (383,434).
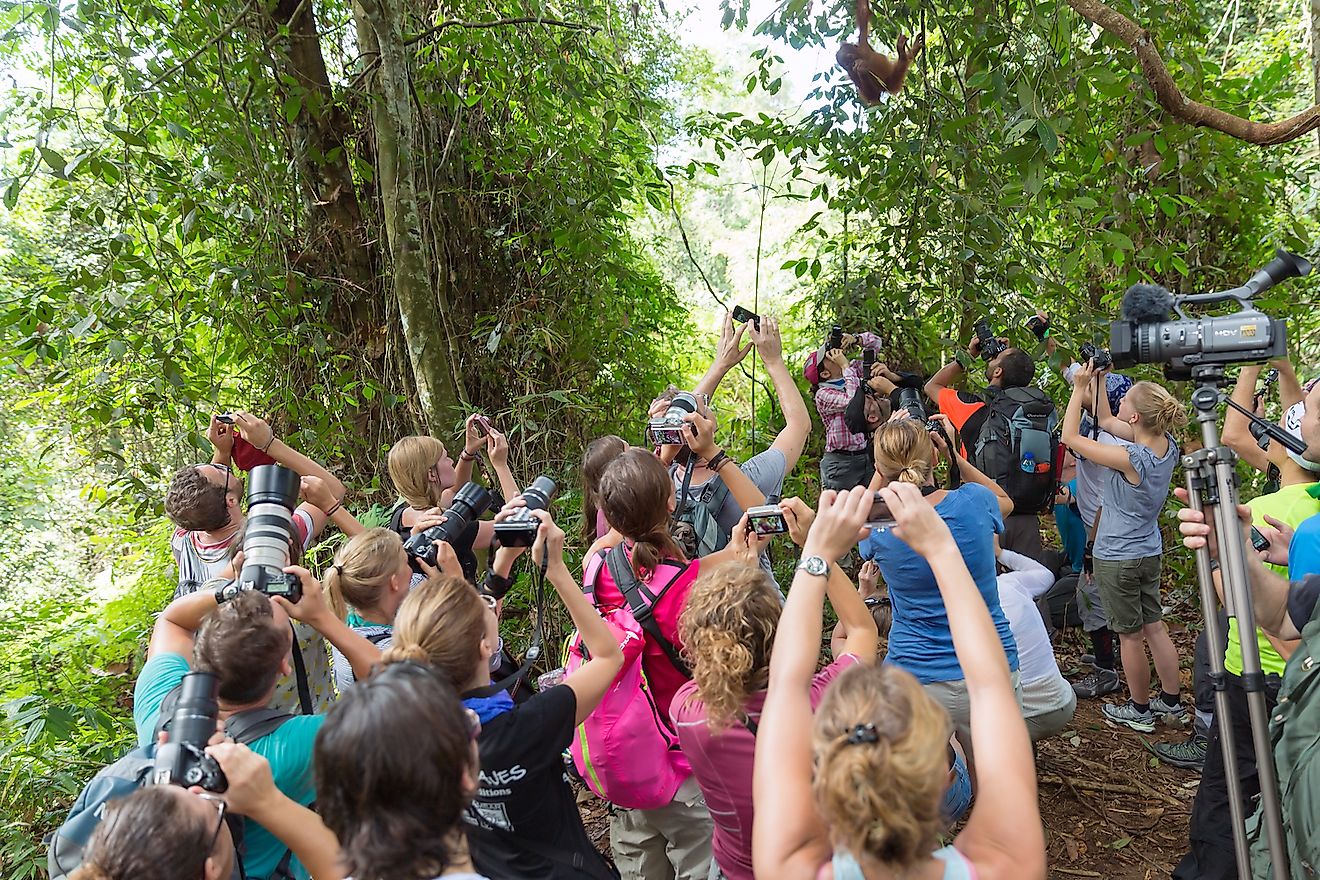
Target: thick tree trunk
(380,35)
(1314,30)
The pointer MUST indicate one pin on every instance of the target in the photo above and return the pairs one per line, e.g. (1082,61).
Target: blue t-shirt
(289,751)
(920,641)
(1304,551)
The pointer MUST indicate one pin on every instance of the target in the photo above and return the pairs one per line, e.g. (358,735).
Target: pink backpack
(626,750)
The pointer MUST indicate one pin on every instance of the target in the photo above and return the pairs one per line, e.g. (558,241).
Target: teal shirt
(289,751)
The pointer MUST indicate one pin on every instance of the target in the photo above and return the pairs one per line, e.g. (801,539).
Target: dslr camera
(519,530)
(835,339)
(991,347)
(910,400)
(182,760)
(1146,334)
(469,503)
(272,498)
(670,429)
(1102,357)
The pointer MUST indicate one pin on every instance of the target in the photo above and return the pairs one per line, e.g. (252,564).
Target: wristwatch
(226,591)
(814,565)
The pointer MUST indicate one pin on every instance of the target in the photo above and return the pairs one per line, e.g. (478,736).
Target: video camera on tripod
(1146,335)
(1200,349)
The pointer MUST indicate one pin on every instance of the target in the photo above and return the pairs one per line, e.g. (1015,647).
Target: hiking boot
(1188,754)
(1097,684)
(1087,659)
(1128,715)
(1172,714)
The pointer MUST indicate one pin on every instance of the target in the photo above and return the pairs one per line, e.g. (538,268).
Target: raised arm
(729,352)
(789,840)
(316,493)
(943,379)
(260,435)
(221,436)
(1290,387)
(312,610)
(1237,428)
(860,636)
(605,657)
(741,487)
(969,472)
(797,419)
(497,450)
(176,626)
(1111,456)
(1003,838)
(252,793)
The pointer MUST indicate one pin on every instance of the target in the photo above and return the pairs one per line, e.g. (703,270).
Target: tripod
(1212,487)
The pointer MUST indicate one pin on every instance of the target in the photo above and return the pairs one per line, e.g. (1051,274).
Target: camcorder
(1146,333)
(767,520)
(272,498)
(1100,357)
(182,760)
(742,316)
(991,347)
(519,530)
(670,429)
(469,503)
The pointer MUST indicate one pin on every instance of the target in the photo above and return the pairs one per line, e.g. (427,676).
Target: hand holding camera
(549,539)
(469,503)
(916,521)
(221,434)
(747,544)
(515,526)
(840,518)
(985,344)
(251,784)
(799,516)
(310,606)
(181,757)
(497,448)
(701,438)
(255,430)
(766,338)
(730,350)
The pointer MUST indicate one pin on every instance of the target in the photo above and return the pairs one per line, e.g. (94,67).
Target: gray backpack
(693,526)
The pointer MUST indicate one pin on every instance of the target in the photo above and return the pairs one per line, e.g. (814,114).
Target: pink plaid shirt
(832,400)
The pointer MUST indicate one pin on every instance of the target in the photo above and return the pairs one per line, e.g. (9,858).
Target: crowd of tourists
(372,720)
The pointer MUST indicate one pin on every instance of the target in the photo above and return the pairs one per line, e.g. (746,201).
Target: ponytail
(904,452)
(1160,410)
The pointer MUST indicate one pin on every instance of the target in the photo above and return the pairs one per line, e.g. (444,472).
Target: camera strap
(300,674)
(514,680)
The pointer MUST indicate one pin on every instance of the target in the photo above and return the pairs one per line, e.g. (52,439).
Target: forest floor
(1109,807)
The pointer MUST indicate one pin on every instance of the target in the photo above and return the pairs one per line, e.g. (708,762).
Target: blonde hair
(727,629)
(411,461)
(881,798)
(363,568)
(1159,409)
(441,623)
(904,452)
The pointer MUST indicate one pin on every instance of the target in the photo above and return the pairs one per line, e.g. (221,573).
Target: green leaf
(52,159)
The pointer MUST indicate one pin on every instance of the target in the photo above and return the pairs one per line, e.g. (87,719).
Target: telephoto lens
(519,530)
(182,759)
(991,347)
(836,338)
(272,498)
(468,505)
(910,400)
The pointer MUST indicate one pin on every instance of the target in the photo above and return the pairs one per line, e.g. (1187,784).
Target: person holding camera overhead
(1128,547)
(855,792)
(243,637)
(205,501)
(920,638)
(523,821)
(425,476)
(1008,374)
(834,382)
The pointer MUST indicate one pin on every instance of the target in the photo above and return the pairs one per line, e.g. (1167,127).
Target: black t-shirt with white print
(524,822)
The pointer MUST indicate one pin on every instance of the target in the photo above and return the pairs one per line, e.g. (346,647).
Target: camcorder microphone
(1147,332)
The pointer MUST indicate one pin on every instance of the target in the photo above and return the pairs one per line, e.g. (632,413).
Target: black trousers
(1211,831)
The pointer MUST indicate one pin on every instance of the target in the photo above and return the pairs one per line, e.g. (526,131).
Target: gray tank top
(956,866)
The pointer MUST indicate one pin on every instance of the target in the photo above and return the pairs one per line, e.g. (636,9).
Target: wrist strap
(269,442)
(467,456)
(332,511)
(721,458)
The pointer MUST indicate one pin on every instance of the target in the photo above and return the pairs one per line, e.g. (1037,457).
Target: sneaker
(1188,754)
(1129,716)
(1097,684)
(1087,659)
(1172,714)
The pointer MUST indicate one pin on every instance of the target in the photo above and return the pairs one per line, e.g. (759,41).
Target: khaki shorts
(1130,590)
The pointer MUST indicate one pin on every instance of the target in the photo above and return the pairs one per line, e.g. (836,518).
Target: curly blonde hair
(727,629)
(881,798)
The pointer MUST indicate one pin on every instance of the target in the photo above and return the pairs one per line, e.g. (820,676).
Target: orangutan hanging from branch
(871,71)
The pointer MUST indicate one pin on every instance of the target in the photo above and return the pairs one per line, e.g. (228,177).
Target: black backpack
(1018,446)
(67,845)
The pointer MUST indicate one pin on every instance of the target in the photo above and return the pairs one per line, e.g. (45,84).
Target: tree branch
(500,22)
(1171,98)
(224,32)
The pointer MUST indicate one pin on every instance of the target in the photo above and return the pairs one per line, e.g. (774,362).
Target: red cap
(812,368)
